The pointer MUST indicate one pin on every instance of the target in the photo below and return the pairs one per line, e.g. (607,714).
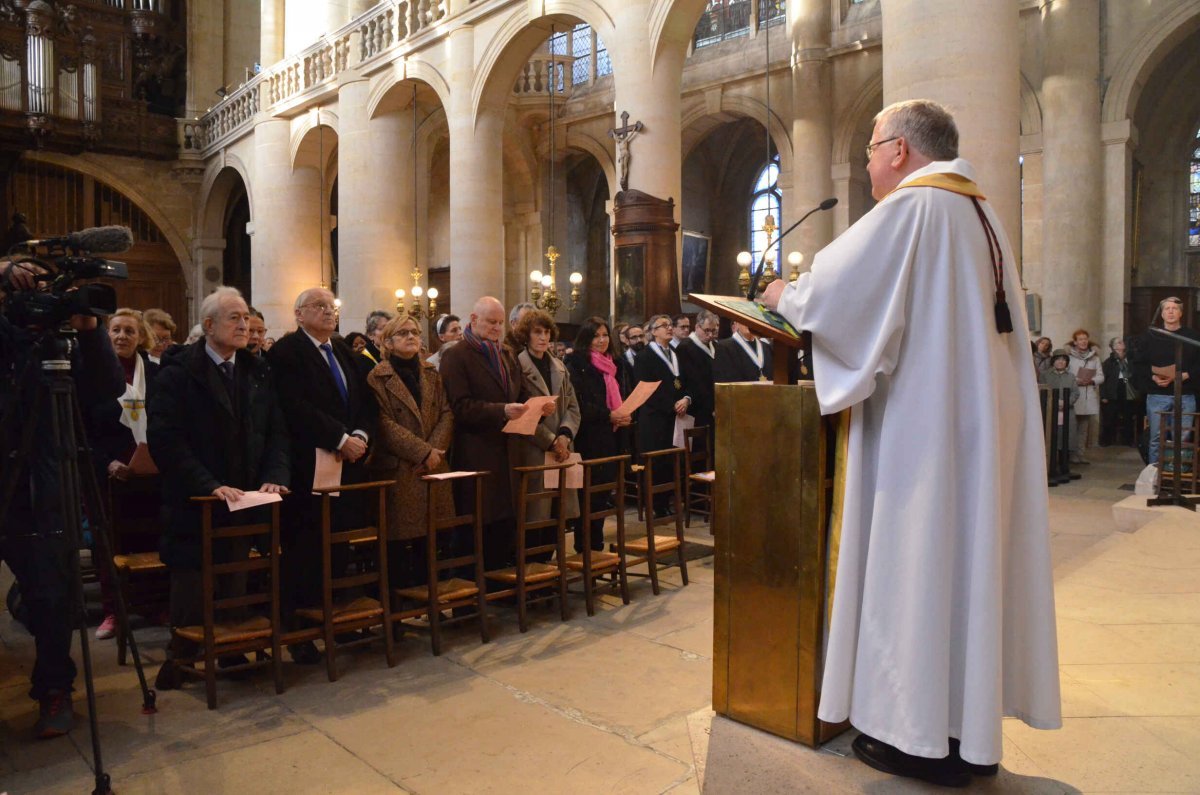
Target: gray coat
(531,450)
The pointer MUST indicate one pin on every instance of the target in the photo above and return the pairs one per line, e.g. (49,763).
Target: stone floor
(621,702)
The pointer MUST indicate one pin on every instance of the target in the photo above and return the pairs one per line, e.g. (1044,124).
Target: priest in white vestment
(943,610)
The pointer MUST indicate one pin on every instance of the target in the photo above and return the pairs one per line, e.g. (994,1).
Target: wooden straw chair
(647,550)
(341,612)
(528,576)
(255,633)
(452,592)
(697,473)
(590,563)
(142,579)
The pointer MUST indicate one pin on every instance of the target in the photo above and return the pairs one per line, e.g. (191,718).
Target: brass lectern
(774,493)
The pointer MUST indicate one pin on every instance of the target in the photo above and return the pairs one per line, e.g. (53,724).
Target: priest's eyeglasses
(871,147)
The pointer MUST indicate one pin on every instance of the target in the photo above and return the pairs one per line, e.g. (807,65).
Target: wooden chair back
(343,608)
(239,594)
(443,590)
(648,549)
(528,576)
(590,563)
(697,460)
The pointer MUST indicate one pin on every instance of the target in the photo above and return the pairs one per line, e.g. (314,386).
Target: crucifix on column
(623,135)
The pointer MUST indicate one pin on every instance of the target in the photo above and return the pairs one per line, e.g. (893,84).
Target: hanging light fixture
(544,286)
(745,259)
(415,308)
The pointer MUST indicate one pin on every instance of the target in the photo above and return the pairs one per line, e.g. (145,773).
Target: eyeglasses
(321,306)
(871,147)
(405,333)
(709,330)
(660,325)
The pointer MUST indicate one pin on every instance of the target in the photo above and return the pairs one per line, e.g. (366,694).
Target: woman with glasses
(414,432)
(656,418)
(554,438)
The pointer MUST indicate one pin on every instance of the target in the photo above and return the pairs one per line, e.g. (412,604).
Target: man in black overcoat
(656,417)
(743,357)
(696,354)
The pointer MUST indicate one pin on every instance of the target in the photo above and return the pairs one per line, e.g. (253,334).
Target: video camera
(67,260)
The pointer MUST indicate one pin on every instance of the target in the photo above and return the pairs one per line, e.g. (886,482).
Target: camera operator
(32,538)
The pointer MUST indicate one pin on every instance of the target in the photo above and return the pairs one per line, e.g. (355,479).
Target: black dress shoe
(944,772)
(976,770)
(168,677)
(305,653)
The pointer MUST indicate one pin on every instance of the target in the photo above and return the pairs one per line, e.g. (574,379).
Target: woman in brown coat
(414,433)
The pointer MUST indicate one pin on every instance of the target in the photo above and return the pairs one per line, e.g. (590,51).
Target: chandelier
(416,309)
(544,290)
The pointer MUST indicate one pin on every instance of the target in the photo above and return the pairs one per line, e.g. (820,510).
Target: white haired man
(214,428)
(943,609)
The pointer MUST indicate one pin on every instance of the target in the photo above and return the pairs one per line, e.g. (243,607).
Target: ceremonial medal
(133,415)
(763,378)
(678,384)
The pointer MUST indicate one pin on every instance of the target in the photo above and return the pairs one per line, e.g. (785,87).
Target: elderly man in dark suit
(214,428)
(324,395)
(743,357)
(484,385)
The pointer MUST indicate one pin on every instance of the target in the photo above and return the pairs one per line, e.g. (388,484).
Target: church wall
(439,207)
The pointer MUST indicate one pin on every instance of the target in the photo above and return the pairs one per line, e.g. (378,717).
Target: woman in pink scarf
(600,379)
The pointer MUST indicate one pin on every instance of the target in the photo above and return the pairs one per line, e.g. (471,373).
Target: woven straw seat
(600,561)
(661,544)
(236,632)
(534,572)
(139,562)
(450,590)
(360,608)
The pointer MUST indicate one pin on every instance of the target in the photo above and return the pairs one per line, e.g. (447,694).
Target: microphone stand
(753,291)
(1177,497)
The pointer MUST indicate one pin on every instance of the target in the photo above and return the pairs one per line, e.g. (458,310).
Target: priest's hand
(773,293)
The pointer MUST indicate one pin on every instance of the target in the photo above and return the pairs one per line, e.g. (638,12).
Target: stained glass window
(1194,195)
(766,200)
(578,43)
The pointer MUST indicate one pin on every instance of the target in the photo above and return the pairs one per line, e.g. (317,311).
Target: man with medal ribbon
(656,421)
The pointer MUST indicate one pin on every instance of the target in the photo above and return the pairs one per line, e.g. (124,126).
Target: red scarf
(608,368)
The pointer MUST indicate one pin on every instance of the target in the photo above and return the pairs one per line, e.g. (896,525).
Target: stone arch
(215,191)
(698,121)
(1031,108)
(672,23)
(308,123)
(383,85)
(601,151)
(518,38)
(869,97)
(175,238)
(1136,65)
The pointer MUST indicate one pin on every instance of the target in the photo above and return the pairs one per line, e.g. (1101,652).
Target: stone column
(812,128)
(309,20)
(375,198)
(647,84)
(476,185)
(272,23)
(1119,139)
(206,63)
(967,57)
(1072,168)
(285,255)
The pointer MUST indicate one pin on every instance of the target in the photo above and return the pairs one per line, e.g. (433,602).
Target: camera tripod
(46,385)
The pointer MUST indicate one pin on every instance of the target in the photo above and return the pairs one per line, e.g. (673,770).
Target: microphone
(97,240)
(828,204)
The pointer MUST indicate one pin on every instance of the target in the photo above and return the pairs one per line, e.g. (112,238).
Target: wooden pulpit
(774,494)
(647,280)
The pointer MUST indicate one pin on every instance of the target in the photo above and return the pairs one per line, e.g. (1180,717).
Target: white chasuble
(943,611)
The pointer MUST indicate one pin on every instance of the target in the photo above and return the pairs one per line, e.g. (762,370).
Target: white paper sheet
(574,474)
(328,471)
(252,499)
(527,423)
(686,422)
(640,394)
(449,475)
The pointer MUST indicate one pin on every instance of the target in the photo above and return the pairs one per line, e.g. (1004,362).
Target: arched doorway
(236,256)
(56,200)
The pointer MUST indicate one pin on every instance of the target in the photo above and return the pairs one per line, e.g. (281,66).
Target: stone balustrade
(534,79)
